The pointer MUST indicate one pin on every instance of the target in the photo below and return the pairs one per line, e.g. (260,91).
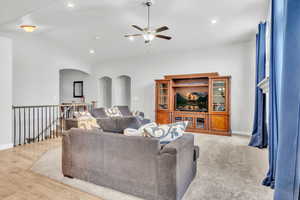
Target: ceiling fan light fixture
(149,33)
(70,5)
(28,28)
(214,21)
(148,37)
(131,38)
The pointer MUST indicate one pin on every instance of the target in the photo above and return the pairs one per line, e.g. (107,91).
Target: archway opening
(67,77)
(105,99)
(123,91)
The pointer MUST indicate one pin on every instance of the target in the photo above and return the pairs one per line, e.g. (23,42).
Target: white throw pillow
(132,132)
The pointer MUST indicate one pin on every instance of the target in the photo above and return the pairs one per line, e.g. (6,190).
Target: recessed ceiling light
(92,51)
(70,5)
(97,37)
(28,28)
(214,21)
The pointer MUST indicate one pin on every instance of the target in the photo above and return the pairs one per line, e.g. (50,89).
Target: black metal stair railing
(38,123)
(35,123)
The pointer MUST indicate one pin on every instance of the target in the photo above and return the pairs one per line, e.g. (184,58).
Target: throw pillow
(86,120)
(82,115)
(141,130)
(88,124)
(131,132)
(139,115)
(166,133)
(113,112)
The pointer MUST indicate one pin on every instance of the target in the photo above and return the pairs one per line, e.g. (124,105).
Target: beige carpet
(227,170)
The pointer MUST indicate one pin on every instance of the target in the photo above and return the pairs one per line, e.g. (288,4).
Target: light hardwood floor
(18,182)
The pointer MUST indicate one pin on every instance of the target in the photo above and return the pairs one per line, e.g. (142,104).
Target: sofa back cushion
(124,110)
(131,162)
(114,160)
(99,113)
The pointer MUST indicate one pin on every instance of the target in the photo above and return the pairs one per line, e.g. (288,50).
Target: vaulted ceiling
(189,22)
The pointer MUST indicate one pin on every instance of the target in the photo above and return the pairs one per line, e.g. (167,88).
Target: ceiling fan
(147,33)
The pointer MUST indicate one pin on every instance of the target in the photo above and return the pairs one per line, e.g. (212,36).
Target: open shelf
(190,85)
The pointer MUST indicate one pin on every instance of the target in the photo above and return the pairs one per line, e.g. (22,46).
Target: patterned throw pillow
(88,124)
(167,133)
(113,112)
(138,114)
(142,131)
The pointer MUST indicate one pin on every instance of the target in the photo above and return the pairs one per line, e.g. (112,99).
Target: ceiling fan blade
(161,29)
(133,35)
(137,27)
(164,37)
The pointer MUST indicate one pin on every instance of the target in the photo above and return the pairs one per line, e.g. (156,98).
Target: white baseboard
(241,133)
(5,146)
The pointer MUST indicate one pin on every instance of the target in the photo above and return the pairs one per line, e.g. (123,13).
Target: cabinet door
(190,120)
(162,117)
(201,122)
(219,122)
(162,95)
(219,96)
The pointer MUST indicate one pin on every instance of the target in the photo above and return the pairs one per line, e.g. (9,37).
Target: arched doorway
(67,77)
(105,93)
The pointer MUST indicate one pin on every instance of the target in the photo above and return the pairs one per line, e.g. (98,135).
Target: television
(194,102)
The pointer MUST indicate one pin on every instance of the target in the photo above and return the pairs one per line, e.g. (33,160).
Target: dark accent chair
(118,124)
(135,165)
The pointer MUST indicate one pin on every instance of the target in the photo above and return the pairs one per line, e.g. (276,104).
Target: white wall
(6,91)
(236,60)
(123,91)
(36,65)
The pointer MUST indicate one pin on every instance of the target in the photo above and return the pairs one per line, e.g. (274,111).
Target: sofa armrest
(66,154)
(177,167)
(179,144)
(196,153)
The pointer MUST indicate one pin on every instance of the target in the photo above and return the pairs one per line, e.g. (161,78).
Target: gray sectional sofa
(118,124)
(136,165)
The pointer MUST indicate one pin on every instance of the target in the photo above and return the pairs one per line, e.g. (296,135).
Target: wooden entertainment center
(201,99)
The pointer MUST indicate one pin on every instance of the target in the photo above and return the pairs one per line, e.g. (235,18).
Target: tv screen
(195,101)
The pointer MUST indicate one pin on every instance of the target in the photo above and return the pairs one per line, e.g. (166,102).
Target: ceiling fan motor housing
(148,3)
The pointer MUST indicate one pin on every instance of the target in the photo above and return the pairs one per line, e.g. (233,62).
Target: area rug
(227,170)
